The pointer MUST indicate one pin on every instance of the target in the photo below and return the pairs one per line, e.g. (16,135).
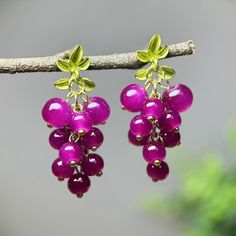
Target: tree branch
(115,61)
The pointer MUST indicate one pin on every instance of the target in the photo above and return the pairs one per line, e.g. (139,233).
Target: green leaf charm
(143,56)
(76,85)
(62,84)
(154,44)
(84,64)
(162,53)
(166,72)
(154,74)
(64,65)
(76,55)
(86,84)
(141,74)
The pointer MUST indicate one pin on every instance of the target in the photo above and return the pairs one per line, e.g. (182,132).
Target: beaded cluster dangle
(158,103)
(74,119)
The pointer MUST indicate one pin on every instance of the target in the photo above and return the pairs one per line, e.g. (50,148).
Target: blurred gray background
(32,202)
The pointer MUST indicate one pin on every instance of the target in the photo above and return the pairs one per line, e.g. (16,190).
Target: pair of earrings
(155,128)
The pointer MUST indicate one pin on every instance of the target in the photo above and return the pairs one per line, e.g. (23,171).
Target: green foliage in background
(206,200)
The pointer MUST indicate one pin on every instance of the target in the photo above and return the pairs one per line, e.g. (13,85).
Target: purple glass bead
(92,164)
(58,137)
(61,170)
(140,126)
(93,139)
(98,110)
(153,108)
(154,151)
(81,122)
(158,172)
(170,139)
(57,112)
(133,139)
(178,98)
(132,97)
(70,152)
(169,121)
(78,184)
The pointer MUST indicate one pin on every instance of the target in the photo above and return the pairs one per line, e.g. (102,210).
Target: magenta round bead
(57,112)
(141,126)
(178,97)
(78,184)
(58,137)
(70,152)
(81,122)
(98,110)
(170,139)
(158,172)
(92,164)
(154,151)
(153,108)
(133,139)
(132,97)
(93,139)
(169,121)
(61,170)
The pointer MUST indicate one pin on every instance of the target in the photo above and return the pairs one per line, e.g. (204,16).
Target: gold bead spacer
(79,195)
(176,130)
(73,164)
(151,119)
(100,174)
(156,163)
(81,132)
(94,148)
(139,138)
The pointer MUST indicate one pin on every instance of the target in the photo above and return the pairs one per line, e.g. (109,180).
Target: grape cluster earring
(155,128)
(159,104)
(74,135)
